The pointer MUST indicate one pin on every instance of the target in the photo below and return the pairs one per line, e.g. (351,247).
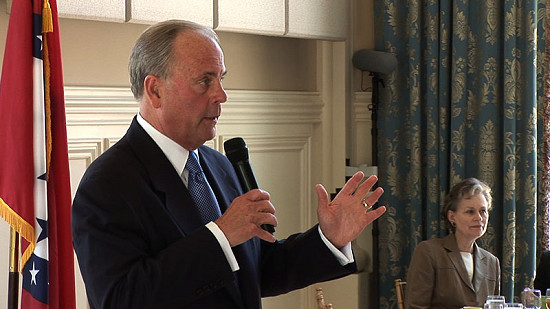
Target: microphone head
(374,61)
(236,150)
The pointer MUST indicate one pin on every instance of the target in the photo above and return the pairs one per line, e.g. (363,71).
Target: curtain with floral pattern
(467,99)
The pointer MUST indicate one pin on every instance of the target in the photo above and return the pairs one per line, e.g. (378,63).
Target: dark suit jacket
(437,277)
(542,279)
(140,243)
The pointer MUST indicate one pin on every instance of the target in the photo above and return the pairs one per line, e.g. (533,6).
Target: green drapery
(466,100)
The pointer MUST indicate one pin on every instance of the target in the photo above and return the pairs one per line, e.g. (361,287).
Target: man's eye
(206,82)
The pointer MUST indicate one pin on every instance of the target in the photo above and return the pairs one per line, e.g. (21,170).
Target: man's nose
(220,95)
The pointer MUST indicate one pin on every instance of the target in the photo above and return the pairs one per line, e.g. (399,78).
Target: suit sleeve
(127,261)
(298,261)
(542,278)
(497,285)
(420,279)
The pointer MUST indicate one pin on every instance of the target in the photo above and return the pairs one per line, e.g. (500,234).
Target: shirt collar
(176,154)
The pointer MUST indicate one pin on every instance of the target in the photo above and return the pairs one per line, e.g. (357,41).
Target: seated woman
(453,272)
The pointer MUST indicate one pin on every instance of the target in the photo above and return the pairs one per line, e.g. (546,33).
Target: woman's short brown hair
(466,188)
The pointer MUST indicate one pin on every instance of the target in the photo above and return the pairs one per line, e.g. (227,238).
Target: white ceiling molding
(251,16)
(321,19)
(150,12)
(101,10)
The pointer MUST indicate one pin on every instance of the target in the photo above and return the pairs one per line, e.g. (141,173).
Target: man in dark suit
(542,278)
(140,238)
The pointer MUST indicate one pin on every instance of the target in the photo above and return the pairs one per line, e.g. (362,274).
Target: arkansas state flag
(35,197)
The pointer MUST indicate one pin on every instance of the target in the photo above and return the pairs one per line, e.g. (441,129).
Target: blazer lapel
(480,266)
(222,183)
(226,186)
(449,242)
(165,180)
(173,193)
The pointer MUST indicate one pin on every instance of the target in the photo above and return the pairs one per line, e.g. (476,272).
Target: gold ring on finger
(366,205)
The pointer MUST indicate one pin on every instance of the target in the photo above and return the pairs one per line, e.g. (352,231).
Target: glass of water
(494,302)
(530,298)
(513,305)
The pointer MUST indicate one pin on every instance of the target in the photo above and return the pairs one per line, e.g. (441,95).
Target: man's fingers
(372,198)
(257,195)
(322,195)
(265,235)
(350,185)
(366,186)
(266,218)
(375,213)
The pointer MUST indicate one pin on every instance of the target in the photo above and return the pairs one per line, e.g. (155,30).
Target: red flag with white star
(35,196)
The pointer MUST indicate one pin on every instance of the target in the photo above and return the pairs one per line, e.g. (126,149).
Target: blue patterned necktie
(200,190)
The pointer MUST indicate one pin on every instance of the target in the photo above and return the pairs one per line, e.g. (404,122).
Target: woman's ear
(152,85)
(451,216)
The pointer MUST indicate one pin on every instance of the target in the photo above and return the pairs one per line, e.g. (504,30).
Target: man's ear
(152,85)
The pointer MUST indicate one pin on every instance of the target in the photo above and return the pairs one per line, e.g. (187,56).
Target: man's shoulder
(119,149)
(212,155)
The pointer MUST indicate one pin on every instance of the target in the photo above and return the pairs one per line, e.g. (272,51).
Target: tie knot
(192,164)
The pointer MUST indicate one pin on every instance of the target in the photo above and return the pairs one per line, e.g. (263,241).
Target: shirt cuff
(224,244)
(344,255)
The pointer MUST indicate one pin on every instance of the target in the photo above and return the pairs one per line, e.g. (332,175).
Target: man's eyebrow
(214,74)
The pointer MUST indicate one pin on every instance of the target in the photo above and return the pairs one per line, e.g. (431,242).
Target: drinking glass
(494,302)
(495,299)
(530,298)
(547,300)
(513,305)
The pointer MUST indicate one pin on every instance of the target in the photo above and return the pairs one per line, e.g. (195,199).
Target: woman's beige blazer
(437,277)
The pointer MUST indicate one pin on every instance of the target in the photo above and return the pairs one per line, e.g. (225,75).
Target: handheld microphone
(237,153)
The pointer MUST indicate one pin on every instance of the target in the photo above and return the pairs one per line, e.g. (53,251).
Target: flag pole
(13,279)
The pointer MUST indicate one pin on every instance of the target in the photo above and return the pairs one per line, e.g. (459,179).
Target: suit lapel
(226,187)
(165,180)
(449,242)
(216,170)
(223,185)
(480,267)
(177,200)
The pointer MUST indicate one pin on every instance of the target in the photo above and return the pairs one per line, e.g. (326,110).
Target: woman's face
(471,217)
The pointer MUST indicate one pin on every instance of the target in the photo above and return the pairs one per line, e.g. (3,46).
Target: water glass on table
(494,302)
(530,298)
(547,299)
(513,305)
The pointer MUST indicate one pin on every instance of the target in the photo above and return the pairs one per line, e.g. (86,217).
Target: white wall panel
(102,10)
(150,12)
(324,19)
(252,16)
